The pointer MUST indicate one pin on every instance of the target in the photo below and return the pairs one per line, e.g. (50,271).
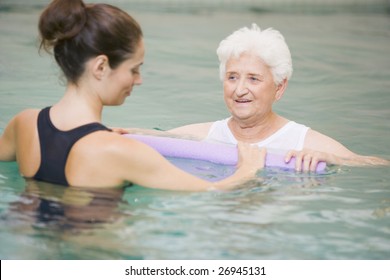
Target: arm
(198,131)
(148,168)
(8,142)
(319,147)
(141,131)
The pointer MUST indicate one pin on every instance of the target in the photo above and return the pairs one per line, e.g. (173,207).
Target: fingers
(305,160)
(313,165)
(290,155)
(251,155)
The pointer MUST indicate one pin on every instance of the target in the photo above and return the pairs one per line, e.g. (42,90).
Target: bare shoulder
(17,132)
(197,130)
(24,121)
(108,159)
(112,145)
(321,142)
(26,117)
(28,114)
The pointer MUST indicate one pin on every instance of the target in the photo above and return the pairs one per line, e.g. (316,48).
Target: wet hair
(269,45)
(77,32)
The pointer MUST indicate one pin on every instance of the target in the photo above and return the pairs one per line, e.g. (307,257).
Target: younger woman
(100,50)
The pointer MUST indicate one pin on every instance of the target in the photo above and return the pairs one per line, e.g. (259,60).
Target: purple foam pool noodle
(213,152)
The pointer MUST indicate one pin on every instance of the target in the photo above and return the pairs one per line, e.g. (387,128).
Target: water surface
(340,87)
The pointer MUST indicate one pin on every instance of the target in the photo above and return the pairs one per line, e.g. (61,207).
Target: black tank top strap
(55,146)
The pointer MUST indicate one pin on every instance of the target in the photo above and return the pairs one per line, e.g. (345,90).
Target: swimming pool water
(340,86)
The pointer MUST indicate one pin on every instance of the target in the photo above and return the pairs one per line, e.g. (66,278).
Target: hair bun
(61,20)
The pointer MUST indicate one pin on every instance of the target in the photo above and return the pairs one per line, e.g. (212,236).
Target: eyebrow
(138,65)
(231,72)
(248,74)
(255,74)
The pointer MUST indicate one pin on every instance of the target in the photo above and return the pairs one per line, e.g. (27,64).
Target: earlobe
(100,66)
(280,89)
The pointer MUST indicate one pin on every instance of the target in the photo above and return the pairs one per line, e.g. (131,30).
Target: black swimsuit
(55,147)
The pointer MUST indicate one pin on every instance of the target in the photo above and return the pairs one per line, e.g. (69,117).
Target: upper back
(56,145)
(28,148)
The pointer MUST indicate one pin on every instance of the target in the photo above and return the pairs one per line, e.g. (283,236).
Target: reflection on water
(65,209)
(49,221)
(282,215)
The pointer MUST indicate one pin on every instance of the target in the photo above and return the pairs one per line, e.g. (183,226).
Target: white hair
(269,45)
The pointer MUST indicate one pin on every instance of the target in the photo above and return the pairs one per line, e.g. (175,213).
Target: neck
(79,107)
(253,131)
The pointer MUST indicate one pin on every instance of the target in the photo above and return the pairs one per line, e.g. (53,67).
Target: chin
(241,115)
(115,103)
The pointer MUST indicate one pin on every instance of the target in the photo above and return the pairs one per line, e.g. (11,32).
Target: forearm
(239,179)
(153,132)
(148,168)
(336,153)
(143,131)
(359,160)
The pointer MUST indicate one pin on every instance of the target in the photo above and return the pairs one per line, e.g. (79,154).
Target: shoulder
(300,130)
(114,146)
(24,120)
(315,137)
(27,116)
(292,125)
(323,143)
(117,151)
(126,156)
(18,129)
(198,130)
(111,159)
(28,113)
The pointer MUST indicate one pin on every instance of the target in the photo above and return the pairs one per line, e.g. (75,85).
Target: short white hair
(269,45)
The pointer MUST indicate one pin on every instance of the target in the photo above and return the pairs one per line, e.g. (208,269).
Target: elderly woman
(255,66)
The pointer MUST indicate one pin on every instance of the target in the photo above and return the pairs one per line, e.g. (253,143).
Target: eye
(231,77)
(254,79)
(135,70)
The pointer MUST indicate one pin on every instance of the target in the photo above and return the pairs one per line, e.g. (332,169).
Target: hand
(250,156)
(307,160)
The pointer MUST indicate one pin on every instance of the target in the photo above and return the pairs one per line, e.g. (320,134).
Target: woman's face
(249,88)
(124,77)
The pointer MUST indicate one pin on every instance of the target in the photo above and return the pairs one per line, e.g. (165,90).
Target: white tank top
(290,137)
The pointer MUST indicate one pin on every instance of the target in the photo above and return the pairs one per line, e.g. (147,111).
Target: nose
(241,88)
(138,80)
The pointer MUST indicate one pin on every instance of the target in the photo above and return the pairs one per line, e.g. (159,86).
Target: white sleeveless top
(290,137)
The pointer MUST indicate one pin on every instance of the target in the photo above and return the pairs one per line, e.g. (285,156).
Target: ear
(100,66)
(280,89)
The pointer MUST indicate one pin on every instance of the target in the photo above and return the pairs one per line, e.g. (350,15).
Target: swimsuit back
(55,146)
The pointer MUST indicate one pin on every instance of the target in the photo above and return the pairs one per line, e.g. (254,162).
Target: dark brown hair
(77,32)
